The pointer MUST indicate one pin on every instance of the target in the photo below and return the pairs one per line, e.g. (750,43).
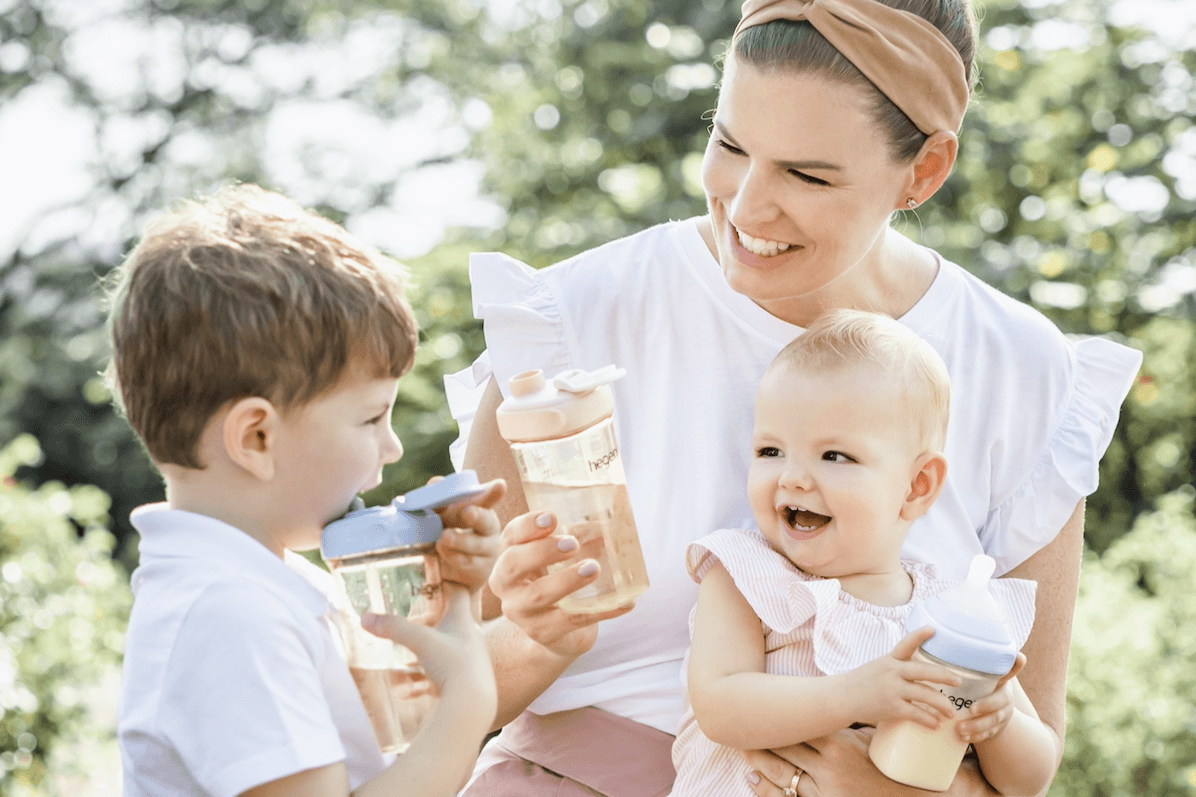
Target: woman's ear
(932,167)
(250,436)
(930,470)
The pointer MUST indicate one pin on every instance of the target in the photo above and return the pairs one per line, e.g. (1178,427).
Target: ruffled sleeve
(523,330)
(772,586)
(1031,516)
(1016,597)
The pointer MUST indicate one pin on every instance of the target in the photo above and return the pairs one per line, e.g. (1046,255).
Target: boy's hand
(453,653)
(989,716)
(894,688)
(470,542)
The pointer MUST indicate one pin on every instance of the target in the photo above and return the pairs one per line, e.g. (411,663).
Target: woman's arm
(1056,568)
(1020,758)
(738,704)
(839,763)
(532,642)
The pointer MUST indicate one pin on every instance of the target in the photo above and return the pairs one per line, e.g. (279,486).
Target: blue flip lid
(409,521)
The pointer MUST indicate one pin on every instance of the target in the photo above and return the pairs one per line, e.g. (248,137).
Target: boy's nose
(392,448)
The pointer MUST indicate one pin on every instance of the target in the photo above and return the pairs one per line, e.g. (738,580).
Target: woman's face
(800,189)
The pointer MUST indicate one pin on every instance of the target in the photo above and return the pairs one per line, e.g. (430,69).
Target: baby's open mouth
(803,520)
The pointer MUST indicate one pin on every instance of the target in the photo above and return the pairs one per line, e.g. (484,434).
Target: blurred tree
(1075,188)
(63,609)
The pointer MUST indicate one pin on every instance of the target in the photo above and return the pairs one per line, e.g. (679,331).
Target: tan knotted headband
(904,55)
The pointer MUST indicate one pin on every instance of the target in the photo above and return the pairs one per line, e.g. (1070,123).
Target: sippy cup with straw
(562,434)
(384,559)
(972,639)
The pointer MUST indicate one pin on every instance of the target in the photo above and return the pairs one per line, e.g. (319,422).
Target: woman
(832,115)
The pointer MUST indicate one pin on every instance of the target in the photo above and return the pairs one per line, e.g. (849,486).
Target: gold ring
(792,790)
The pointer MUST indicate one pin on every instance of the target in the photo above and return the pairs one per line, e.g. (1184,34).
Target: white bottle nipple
(973,596)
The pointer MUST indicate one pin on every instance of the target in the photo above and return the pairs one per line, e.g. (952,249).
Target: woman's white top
(1031,414)
(233,671)
(810,627)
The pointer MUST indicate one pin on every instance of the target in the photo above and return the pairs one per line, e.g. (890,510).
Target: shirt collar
(175,534)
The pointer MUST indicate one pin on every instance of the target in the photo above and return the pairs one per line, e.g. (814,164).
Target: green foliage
(63,609)
(1131,724)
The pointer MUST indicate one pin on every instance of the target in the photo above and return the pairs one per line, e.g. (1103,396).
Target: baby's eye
(836,456)
(768,451)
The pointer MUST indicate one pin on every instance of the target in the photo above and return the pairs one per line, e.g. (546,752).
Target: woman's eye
(768,451)
(805,178)
(377,419)
(734,150)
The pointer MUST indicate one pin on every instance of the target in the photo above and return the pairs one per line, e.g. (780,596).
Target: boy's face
(833,460)
(333,448)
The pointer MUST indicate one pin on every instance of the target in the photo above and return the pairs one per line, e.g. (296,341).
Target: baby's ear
(929,472)
(250,436)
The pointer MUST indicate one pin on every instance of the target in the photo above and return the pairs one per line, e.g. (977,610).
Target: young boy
(256,352)
(799,628)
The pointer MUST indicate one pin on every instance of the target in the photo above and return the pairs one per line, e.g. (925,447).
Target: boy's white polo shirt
(233,674)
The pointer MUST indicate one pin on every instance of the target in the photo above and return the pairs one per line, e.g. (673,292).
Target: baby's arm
(442,755)
(739,705)
(1015,749)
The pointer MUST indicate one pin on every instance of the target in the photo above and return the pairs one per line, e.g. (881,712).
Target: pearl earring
(911,203)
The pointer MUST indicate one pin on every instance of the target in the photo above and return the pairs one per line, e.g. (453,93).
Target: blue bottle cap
(407,522)
(970,627)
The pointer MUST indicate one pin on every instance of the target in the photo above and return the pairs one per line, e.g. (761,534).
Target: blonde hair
(245,293)
(851,338)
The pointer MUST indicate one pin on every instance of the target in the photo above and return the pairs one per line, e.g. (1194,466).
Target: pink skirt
(579,753)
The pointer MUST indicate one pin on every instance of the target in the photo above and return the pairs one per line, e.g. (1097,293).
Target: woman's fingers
(774,771)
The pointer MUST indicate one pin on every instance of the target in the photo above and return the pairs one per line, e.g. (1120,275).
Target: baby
(257,350)
(799,628)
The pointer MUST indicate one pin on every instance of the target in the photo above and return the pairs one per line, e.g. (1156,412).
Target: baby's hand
(989,716)
(470,542)
(894,688)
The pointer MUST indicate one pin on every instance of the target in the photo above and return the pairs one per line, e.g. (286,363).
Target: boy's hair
(244,293)
(849,338)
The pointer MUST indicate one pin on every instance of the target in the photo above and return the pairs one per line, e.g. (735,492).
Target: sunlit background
(433,128)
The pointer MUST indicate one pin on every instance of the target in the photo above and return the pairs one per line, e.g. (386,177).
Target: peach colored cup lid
(541,409)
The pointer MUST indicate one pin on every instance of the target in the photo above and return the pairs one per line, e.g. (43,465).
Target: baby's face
(833,460)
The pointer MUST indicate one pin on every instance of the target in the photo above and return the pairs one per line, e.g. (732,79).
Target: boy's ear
(930,470)
(250,436)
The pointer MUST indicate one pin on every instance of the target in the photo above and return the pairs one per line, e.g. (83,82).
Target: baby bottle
(971,639)
(563,438)
(383,559)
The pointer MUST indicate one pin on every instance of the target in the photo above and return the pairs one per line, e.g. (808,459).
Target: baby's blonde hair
(852,338)
(244,293)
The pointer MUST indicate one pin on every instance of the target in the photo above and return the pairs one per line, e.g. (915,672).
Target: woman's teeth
(759,246)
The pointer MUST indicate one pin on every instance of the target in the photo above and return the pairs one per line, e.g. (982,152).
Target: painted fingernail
(753,778)
(566,544)
(544,521)
(588,568)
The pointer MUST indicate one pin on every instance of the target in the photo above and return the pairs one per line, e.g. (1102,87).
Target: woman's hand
(529,593)
(470,544)
(838,766)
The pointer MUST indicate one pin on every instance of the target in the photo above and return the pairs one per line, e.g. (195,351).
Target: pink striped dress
(811,627)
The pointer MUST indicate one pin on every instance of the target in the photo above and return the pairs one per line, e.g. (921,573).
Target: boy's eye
(768,451)
(836,456)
